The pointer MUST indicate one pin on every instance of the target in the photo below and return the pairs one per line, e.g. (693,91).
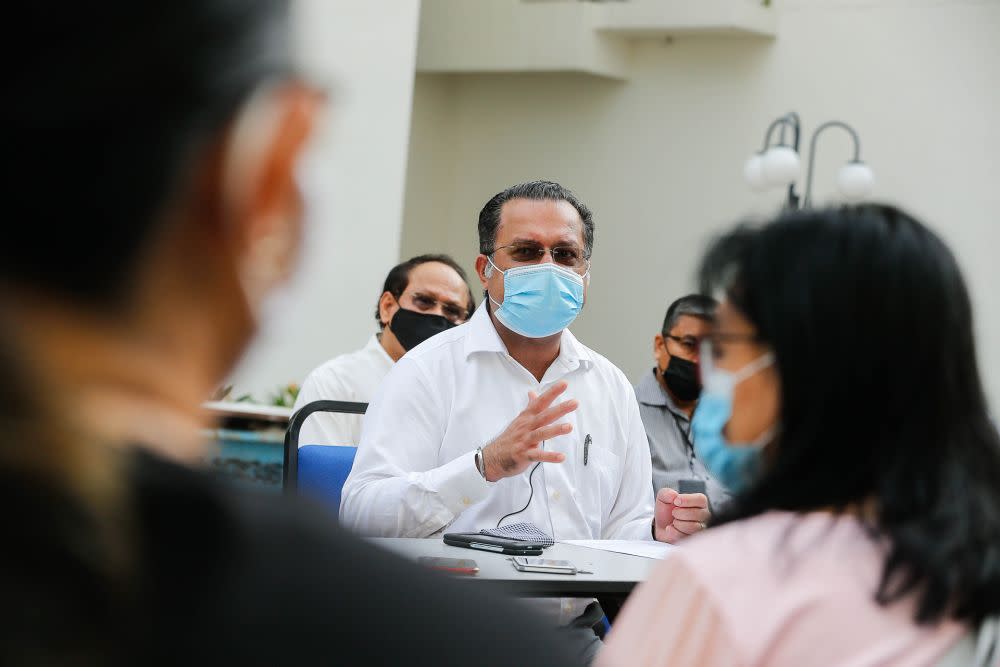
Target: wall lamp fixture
(779,165)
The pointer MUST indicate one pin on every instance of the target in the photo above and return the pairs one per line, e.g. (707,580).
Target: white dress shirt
(349,377)
(415,472)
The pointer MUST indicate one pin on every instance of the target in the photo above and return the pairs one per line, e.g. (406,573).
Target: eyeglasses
(710,346)
(690,344)
(529,253)
(453,313)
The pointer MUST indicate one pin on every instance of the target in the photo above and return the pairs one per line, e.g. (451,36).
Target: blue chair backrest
(323,469)
(318,470)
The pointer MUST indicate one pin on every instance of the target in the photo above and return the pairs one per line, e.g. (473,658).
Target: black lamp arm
(790,119)
(807,200)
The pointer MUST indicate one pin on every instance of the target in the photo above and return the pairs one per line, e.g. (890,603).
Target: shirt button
(466,501)
(555,495)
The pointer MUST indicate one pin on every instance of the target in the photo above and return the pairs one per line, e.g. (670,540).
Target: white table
(613,575)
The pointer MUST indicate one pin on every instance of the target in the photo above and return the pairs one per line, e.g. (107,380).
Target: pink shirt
(778,589)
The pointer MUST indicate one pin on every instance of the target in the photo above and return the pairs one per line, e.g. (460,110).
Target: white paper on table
(644,548)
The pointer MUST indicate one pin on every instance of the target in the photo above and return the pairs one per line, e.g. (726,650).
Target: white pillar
(365,50)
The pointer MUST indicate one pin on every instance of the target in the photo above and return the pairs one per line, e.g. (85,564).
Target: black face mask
(412,328)
(682,379)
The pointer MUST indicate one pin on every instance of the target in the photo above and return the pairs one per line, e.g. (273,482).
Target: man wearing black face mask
(421,297)
(669,394)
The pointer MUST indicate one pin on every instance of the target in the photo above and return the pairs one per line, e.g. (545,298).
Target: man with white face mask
(457,434)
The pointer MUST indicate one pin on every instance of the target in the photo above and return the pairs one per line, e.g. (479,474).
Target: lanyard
(687,438)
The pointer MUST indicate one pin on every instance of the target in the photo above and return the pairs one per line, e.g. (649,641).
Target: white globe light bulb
(855,180)
(753,174)
(780,165)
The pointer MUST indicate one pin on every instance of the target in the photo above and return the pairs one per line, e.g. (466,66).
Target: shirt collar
(483,337)
(649,392)
(570,349)
(374,346)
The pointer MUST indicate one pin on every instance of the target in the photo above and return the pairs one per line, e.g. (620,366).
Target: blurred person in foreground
(865,528)
(155,210)
(421,297)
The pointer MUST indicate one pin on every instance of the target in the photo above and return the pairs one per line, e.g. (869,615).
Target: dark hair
(882,407)
(489,217)
(693,305)
(104,122)
(399,279)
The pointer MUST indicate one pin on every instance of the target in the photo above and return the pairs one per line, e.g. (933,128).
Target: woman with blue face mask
(842,405)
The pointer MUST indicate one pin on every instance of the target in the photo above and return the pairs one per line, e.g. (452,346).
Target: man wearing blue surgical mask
(510,418)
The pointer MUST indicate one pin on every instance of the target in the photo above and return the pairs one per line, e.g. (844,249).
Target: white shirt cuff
(459,484)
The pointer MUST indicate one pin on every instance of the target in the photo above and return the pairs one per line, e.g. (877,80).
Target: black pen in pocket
(586,449)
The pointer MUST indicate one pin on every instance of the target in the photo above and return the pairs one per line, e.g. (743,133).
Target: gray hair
(695,305)
(489,217)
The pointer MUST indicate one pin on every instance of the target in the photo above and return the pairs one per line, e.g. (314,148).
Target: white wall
(659,156)
(366,51)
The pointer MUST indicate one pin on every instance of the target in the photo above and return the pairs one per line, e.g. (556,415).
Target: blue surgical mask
(735,465)
(539,300)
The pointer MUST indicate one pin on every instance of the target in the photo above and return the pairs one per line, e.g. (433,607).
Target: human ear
(387,307)
(482,265)
(660,351)
(261,202)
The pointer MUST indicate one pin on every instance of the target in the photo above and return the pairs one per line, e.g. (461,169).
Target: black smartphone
(691,486)
(500,545)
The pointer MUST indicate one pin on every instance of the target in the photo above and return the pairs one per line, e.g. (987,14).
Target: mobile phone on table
(548,565)
(452,565)
(500,545)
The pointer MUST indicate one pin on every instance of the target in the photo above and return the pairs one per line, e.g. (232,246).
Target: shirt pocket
(600,481)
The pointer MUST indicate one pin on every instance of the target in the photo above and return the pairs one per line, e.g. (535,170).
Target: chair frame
(290,467)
